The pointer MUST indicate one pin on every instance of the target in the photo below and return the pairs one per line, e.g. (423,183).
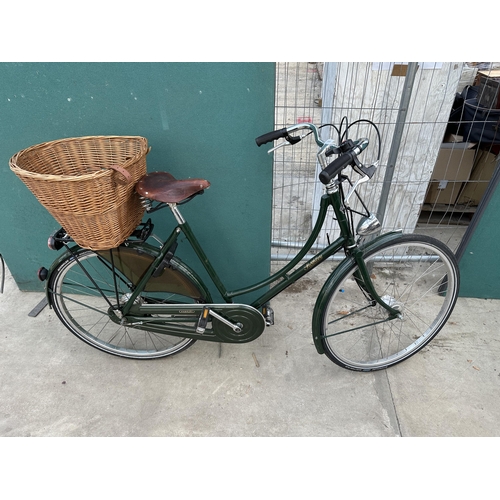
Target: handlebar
(271,136)
(285,133)
(348,150)
(349,157)
(337,165)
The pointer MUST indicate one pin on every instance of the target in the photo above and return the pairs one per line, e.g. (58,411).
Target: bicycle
(387,299)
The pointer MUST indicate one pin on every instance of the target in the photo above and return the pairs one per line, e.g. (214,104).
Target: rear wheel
(83,296)
(414,274)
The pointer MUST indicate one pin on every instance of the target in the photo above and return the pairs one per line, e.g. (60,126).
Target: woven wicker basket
(87,184)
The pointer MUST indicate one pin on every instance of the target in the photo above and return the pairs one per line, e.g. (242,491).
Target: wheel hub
(392,302)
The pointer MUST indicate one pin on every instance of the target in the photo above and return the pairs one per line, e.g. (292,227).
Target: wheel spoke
(356,328)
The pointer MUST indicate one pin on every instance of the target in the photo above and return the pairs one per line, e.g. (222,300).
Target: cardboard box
(474,189)
(443,192)
(452,169)
(454,162)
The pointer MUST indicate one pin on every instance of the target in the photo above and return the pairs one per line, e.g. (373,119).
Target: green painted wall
(479,268)
(200,120)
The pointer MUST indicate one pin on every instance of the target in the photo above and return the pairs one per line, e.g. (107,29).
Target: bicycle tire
(416,274)
(86,313)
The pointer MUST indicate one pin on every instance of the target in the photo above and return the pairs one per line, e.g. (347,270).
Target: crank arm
(236,327)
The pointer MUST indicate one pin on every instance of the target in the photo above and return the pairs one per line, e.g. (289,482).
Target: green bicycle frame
(346,241)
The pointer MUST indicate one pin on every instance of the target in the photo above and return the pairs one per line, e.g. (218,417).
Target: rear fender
(133,260)
(52,268)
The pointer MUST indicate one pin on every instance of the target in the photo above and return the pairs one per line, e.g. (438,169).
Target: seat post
(178,217)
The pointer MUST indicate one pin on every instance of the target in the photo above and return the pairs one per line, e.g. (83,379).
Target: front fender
(330,283)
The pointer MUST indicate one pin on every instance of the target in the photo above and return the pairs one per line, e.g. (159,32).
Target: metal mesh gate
(430,177)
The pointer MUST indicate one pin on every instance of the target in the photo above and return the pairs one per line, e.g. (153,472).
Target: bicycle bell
(368,225)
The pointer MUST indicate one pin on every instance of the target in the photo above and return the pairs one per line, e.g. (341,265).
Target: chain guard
(162,319)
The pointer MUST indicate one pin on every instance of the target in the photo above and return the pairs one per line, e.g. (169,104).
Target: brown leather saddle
(164,187)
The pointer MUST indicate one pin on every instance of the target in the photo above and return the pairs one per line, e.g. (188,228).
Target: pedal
(203,321)
(268,314)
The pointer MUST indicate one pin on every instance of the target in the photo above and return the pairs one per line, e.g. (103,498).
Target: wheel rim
(410,277)
(85,312)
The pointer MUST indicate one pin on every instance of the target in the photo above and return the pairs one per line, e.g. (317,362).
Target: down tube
(345,237)
(301,271)
(325,203)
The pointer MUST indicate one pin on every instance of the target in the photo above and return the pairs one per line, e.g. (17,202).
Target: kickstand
(39,308)
(2,277)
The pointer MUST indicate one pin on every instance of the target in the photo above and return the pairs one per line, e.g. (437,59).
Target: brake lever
(370,171)
(281,144)
(361,180)
(366,174)
(289,141)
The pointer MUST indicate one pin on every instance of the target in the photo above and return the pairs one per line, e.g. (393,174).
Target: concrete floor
(52,384)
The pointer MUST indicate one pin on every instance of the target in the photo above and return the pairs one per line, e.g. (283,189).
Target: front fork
(364,281)
(363,275)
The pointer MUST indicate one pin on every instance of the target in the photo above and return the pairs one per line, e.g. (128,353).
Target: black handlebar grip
(271,136)
(337,165)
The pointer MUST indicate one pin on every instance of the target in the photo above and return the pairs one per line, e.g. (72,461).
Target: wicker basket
(87,184)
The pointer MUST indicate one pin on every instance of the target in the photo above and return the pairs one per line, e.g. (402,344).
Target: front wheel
(416,275)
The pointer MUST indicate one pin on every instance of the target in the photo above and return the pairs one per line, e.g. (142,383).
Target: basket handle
(124,177)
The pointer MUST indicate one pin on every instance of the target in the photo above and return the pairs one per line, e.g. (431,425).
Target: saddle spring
(146,203)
